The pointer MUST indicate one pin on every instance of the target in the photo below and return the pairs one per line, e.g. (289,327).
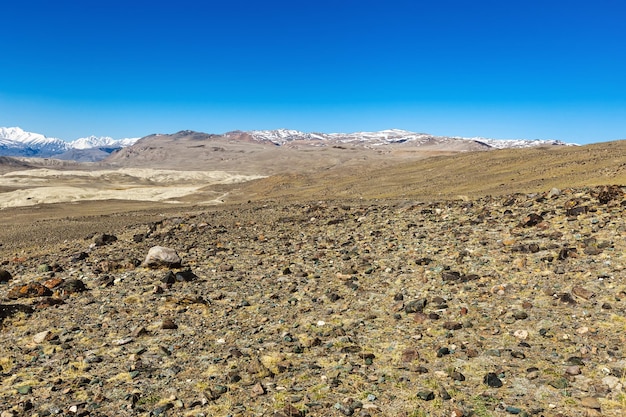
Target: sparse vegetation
(334,331)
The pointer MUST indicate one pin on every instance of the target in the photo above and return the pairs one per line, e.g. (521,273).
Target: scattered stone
(104,239)
(409,355)
(554,192)
(531,220)
(79,257)
(520,315)
(185,276)
(169,324)
(450,325)
(457,376)
(492,380)
(518,354)
(73,286)
(521,334)
(426,395)
(52,283)
(343,409)
(573,370)
(355,306)
(499,289)
(162,410)
(5,276)
(567,298)
(291,411)
(559,383)
(257,389)
(457,412)
(42,336)
(169,278)
(609,193)
(415,306)
(590,402)
(582,292)
(441,352)
(123,341)
(25,389)
(493,352)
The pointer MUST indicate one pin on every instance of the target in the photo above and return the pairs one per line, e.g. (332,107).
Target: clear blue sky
(500,69)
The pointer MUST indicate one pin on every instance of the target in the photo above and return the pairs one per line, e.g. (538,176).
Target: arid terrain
(293,281)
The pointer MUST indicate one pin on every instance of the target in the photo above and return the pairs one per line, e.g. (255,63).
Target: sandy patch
(41,186)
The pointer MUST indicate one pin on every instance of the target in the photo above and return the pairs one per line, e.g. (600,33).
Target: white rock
(582,330)
(159,255)
(555,192)
(521,334)
(612,382)
(41,336)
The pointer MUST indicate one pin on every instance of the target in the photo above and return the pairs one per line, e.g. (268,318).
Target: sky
(512,69)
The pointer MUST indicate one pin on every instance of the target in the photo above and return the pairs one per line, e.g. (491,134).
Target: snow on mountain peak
(91,142)
(14,141)
(19,135)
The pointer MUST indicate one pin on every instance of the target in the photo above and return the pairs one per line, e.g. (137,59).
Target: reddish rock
(169,324)
(53,283)
(32,289)
(409,355)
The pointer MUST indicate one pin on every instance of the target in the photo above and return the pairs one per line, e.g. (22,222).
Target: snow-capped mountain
(518,143)
(14,141)
(30,144)
(101,142)
(283,137)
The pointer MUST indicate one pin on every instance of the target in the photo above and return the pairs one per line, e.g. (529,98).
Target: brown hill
(448,176)
(188,150)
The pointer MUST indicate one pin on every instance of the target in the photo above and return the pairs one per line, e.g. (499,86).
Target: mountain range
(283,137)
(14,141)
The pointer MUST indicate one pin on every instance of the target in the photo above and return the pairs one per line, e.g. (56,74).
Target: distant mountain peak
(15,141)
(377,138)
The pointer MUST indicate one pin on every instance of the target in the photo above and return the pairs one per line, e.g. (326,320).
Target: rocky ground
(508,305)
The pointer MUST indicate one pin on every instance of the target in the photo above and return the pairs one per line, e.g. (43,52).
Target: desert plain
(308,281)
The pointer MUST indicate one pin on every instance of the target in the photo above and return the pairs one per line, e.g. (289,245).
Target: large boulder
(159,256)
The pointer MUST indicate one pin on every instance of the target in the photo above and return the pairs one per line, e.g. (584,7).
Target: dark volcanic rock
(531,220)
(104,239)
(5,276)
(492,380)
(415,306)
